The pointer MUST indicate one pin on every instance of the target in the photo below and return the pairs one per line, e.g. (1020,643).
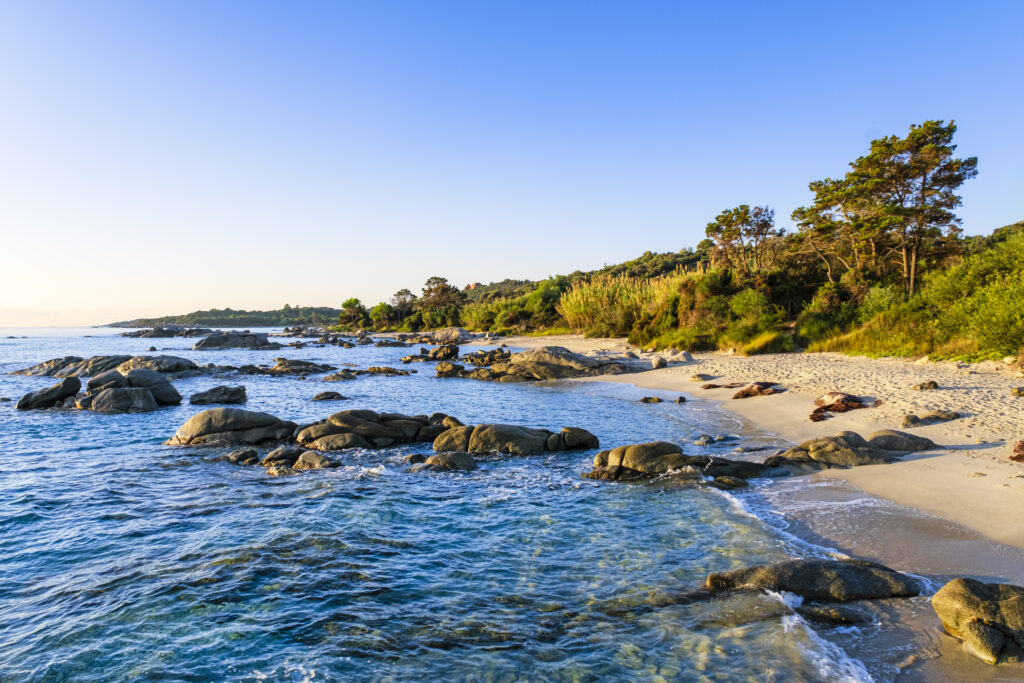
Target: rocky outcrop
(50,396)
(541,363)
(822,580)
(987,617)
(229,426)
(219,394)
(848,449)
(173,365)
(511,439)
(236,340)
(123,400)
(648,460)
(157,384)
(73,366)
(167,332)
(368,429)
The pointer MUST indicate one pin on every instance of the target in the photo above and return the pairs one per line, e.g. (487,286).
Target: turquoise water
(123,559)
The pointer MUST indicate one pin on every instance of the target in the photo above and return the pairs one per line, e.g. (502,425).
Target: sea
(124,559)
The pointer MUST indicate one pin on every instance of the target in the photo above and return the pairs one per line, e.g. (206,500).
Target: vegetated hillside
(228,317)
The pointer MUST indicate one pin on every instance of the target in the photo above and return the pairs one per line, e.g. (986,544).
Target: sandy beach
(969,481)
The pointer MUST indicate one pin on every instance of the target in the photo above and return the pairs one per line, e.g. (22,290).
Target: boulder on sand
(231,426)
(219,394)
(845,449)
(823,580)
(891,440)
(51,396)
(987,617)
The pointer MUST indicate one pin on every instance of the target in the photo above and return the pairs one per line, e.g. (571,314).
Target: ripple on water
(126,560)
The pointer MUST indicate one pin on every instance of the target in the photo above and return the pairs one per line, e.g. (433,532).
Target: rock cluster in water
(174,367)
(167,331)
(131,387)
(236,340)
(541,363)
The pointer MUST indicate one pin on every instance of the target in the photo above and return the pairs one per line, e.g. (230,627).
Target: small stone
(680,399)
(650,399)
(930,385)
(1017,391)
(658,362)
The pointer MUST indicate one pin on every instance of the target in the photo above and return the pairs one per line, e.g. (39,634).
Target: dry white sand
(969,480)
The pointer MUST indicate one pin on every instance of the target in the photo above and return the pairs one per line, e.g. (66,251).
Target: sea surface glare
(122,559)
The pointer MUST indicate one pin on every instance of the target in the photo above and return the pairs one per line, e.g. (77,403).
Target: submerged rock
(311,460)
(50,396)
(231,426)
(823,580)
(220,394)
(449,461)
(987,617)
(328,396)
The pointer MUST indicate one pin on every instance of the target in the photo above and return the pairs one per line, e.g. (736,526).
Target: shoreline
(968,481)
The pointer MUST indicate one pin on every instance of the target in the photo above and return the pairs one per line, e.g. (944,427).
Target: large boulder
(230,426)
(454,439)
(557,362)
(124,400)
(235,340)
(219,394)
(164,364)
(451,335)
(823,580)
(444,352)
(987,617)
(111,379)
(339,442)
(651,459)
(511,439)
(845,449)
(51,396)
(161,389)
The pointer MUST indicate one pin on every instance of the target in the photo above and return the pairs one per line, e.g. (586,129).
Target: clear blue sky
(159,157)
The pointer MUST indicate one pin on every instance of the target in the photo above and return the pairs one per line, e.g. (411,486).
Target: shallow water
(123,559)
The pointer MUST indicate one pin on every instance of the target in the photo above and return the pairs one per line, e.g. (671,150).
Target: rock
(340,442)
(987,617)
(289,366)
(339,376)
(415,458)
(823,580)
(684,357)
(111,379)
(311,460)
(452,461)
(454,439)
(845,449)
(930,385)
(74,366)
(280,471)
(757,389)
(243,456)
(164,364)
(219,394)
(832,614)
(650,399)
(365,424)
(556,362)
(231,426)
(447,369)
(152,348)
(728,483)
(658,362)
(922,361)
(124,400)
(511,439)
(235,340)
(891,440)
(451,335)
(680,399)
(700,377)
(654,458)
(445,352)
(162,390)
(1018,452)
(329,396)
(929,418)
(283,455)
(51,396)
(574,438)
(1009,360)
(1017,391)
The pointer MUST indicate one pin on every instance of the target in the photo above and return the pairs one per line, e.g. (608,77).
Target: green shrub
(768,342)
